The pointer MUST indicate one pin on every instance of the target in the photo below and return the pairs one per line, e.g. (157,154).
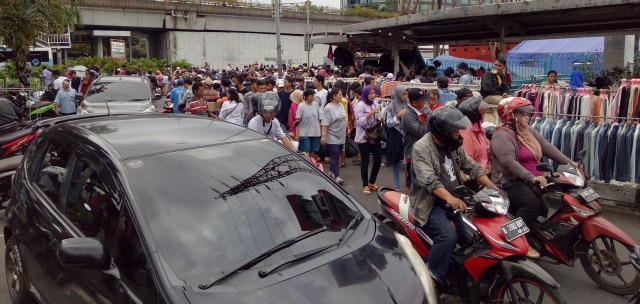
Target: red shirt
(197,107)
(435,106)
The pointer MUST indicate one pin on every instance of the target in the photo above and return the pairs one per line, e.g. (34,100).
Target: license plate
(514,229)
(588,195)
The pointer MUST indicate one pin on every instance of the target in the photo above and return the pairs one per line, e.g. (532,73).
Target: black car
(179,209)
(119,94)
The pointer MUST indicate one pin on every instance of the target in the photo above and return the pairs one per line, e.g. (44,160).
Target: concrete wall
(237,49)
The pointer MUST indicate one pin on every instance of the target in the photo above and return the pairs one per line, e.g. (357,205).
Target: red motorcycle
(492,268)
(576,230)
(16,141)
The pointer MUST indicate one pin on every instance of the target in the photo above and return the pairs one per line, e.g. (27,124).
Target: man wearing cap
(176,94)
(461,95)
(466,78)
(414,124)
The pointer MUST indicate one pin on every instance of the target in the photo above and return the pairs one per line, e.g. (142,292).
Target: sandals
(373,187)
(343,165)
(365,190)
(339,180)
(355,162)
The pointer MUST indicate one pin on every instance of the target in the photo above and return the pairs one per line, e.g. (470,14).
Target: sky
(329,3)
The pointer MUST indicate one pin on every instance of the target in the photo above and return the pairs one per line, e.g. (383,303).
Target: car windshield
(118,91)
(213,207)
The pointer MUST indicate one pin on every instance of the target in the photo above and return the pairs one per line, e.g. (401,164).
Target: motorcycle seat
(7,138)
(10,163)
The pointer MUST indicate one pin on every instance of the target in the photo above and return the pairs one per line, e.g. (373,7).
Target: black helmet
(472,108)
(269,103)
(445,120)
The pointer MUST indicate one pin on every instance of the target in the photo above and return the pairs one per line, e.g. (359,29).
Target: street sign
(117,49)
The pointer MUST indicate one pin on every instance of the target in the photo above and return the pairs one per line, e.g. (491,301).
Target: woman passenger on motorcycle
(475,142)
(516,149)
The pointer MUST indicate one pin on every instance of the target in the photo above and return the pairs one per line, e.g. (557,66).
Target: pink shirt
(528,161)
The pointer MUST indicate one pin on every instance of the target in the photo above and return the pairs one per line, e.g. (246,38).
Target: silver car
(119,94)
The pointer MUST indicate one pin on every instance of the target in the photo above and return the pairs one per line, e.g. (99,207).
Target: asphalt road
(575,284)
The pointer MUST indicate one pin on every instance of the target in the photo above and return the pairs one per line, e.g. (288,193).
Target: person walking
(334,127)
(392,116)
(366,112)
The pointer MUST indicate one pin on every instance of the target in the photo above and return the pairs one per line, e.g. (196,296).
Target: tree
(22,21)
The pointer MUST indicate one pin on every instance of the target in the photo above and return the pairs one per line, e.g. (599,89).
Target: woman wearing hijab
(296,99)
(160,78)
(576,79)
(367,111)
(392,117)
(474,140)
(516,149)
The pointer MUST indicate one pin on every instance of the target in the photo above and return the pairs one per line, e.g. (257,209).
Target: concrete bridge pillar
(618,51)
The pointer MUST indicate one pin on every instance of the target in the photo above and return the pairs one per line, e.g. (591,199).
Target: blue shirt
(176,95)
(446,95)
(67,101)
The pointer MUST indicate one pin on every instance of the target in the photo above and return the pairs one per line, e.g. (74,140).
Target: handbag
(374,133)
(351,148)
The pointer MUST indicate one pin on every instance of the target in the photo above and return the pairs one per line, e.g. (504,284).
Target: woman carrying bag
(368,126)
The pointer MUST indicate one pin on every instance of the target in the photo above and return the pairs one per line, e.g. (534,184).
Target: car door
(95,205)
(39,226)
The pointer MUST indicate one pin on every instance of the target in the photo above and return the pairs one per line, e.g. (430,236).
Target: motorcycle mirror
(544,167)
(462,191)
(581,154)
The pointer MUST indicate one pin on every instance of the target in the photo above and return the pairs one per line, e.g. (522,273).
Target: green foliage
(183,64)
(368,12)
(21,23)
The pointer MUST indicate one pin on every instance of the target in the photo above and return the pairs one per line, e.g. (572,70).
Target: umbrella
(79,69)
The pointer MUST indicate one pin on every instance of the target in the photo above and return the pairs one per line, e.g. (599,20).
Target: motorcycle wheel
(527,290)
(614,273)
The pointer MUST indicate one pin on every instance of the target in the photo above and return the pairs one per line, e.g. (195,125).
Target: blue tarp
(557,54)
(450,61)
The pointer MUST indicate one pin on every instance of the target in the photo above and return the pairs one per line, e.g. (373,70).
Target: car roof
(138,135)
(120,78)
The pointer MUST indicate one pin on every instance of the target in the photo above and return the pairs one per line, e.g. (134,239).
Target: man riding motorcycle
(437,160)
(10,114)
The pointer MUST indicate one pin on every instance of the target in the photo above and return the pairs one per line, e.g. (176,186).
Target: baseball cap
(391,77)
(417,94)
(180,81)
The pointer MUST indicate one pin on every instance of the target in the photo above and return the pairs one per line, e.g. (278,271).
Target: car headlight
(575,179)
(420,267)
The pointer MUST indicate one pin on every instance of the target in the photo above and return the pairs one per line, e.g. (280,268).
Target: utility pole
(307,43)
(278,45)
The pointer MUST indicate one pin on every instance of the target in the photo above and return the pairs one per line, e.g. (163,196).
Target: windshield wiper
(255,260)
(266,271)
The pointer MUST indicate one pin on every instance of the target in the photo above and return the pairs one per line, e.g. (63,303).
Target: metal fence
(9,84)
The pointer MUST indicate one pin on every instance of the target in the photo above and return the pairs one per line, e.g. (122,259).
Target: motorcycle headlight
(498,204)
(575,179)
(420,267)
(583,212)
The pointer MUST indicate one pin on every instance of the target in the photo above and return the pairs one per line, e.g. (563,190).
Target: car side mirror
(84,253)
(544,167)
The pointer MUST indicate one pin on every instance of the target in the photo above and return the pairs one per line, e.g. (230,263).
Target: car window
(53,169)
(132,261)
(119,91)
(92,203)
(217,206)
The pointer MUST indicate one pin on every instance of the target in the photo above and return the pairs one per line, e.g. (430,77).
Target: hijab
(576,79)
(297,96)
(365,95)
(525,137)
(396,104)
